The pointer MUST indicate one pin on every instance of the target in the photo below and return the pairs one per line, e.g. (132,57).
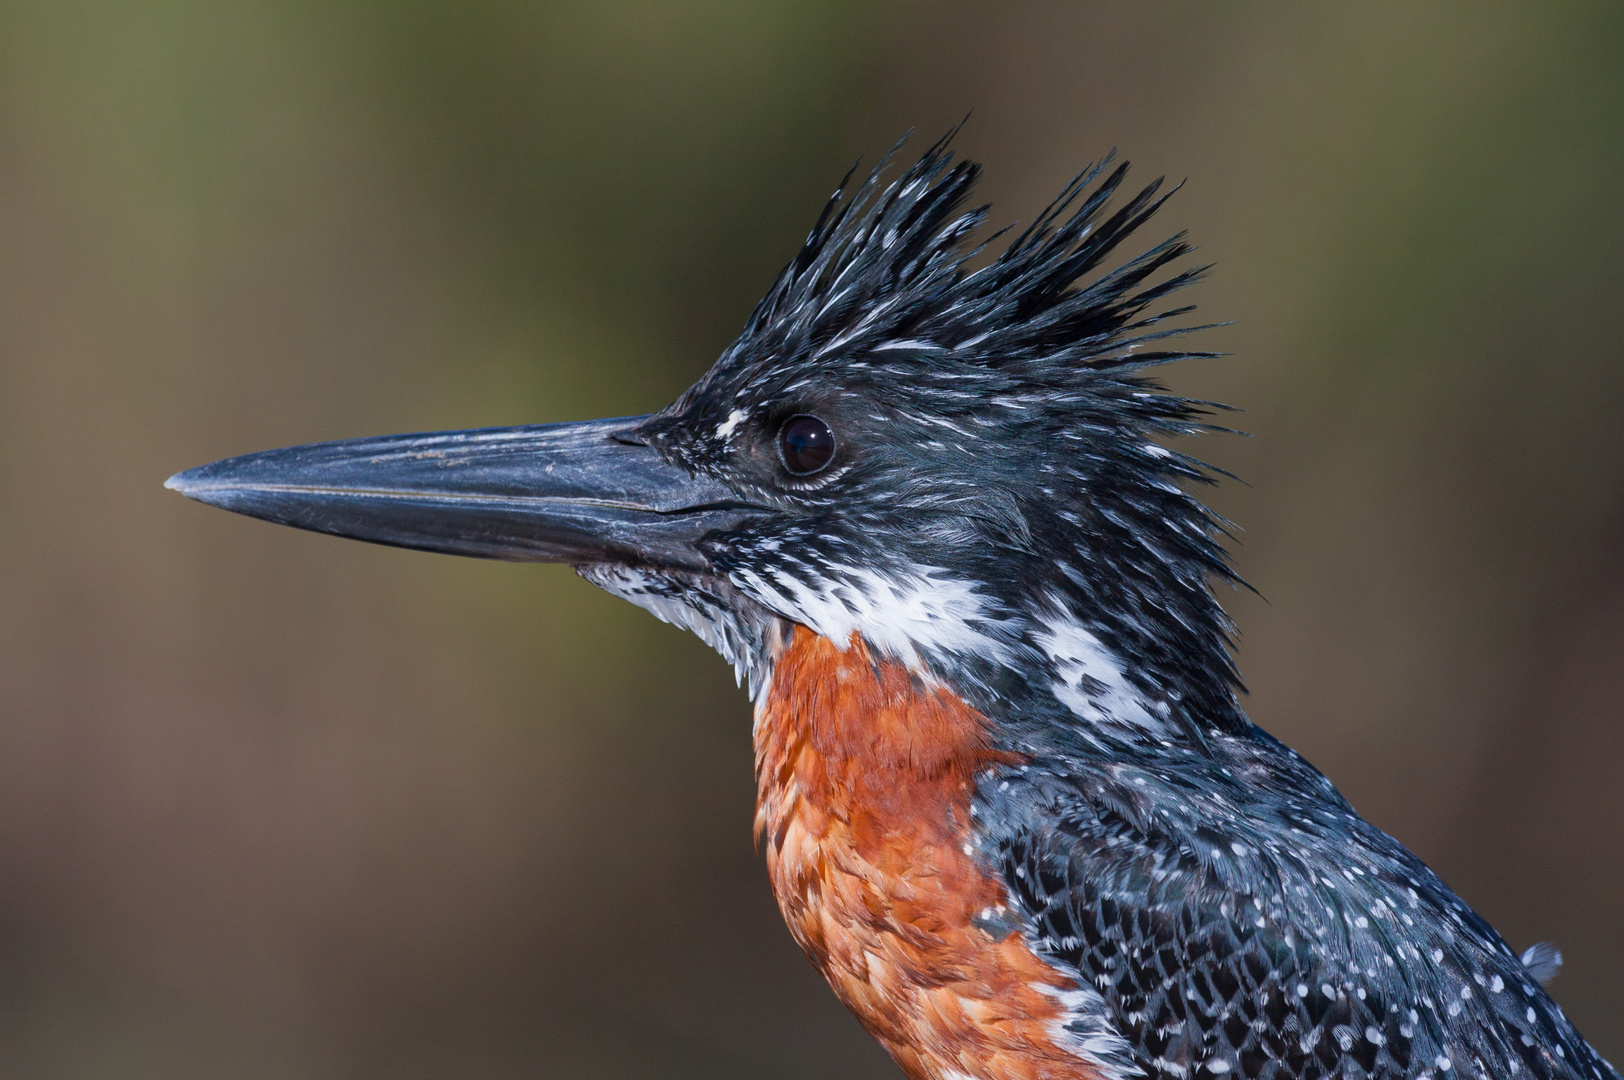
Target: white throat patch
(911,618)
(925,613)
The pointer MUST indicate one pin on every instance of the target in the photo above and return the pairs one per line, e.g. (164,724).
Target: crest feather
(890,262)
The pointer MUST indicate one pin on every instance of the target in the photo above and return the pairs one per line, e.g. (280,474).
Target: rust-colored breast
(864,780)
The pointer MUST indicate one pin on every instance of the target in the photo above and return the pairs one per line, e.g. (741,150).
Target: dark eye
(806,444)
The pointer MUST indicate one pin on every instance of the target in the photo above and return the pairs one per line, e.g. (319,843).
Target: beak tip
(185,482)
(196,485)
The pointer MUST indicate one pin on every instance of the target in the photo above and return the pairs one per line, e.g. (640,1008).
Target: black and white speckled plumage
(1237,917)
(1003,517)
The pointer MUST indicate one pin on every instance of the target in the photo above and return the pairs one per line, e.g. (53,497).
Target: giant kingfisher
(1011,806)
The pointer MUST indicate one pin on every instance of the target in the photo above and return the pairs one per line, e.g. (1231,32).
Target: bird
(1010,804)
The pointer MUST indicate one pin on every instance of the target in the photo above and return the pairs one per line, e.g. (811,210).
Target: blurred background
(276,805)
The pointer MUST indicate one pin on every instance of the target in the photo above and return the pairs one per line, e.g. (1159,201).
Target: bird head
(958,458)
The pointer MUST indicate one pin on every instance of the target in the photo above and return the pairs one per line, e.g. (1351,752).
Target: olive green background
(276,805)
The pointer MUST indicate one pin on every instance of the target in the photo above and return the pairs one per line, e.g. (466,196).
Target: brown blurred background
(275,805)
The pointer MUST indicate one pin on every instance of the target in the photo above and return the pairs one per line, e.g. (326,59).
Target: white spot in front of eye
(725,428)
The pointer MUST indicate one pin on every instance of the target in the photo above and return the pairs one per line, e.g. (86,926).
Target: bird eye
(806,444)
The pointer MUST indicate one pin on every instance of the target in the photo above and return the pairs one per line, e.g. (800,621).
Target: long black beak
(574,493)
